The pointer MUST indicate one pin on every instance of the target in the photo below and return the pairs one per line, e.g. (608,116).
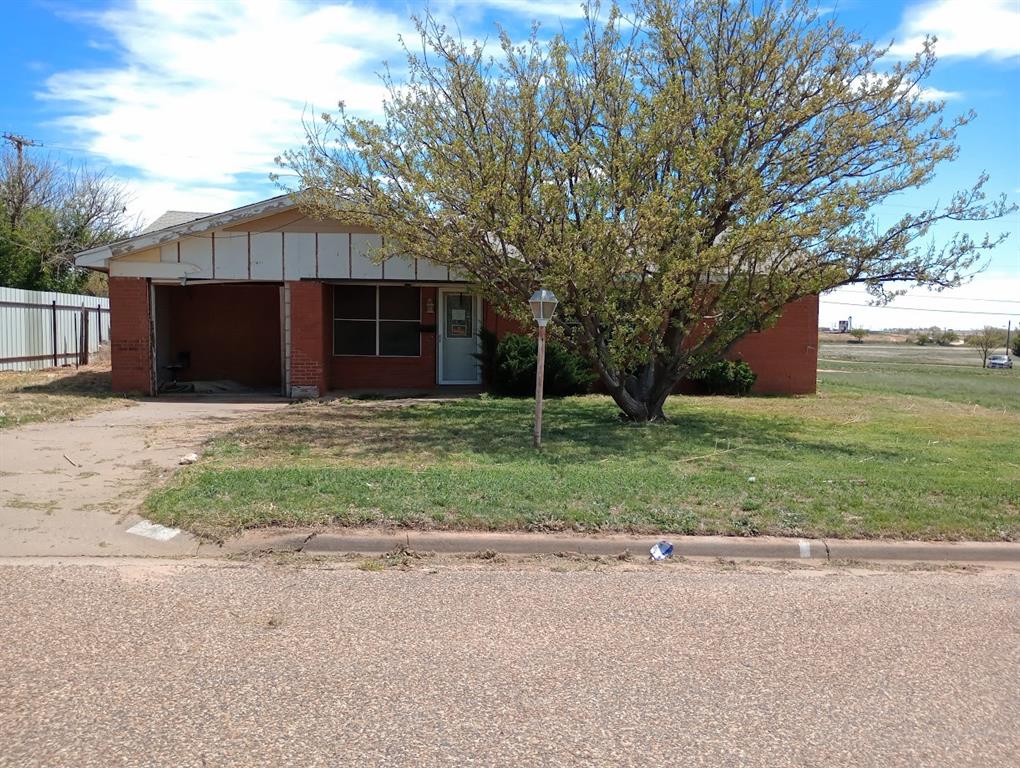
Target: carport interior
(225,336)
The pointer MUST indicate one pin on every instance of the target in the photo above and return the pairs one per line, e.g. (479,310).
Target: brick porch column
(131,335)
(309,339)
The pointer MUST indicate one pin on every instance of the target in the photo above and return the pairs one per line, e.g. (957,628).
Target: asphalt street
(164,663)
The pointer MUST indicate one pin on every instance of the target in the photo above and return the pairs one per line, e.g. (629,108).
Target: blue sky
(190,101)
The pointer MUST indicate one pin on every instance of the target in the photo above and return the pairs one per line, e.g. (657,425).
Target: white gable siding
(363,267)
(197,251)
(299,255)
(334,255)
(429,270)
(232,255)
(266,255)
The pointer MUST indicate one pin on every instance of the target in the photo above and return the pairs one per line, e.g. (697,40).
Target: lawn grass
(997,389)
(55,394)
(855,461)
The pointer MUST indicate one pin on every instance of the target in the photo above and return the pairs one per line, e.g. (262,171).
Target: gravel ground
(166,664)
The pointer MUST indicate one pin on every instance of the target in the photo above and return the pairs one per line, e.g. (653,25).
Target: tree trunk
(641,397)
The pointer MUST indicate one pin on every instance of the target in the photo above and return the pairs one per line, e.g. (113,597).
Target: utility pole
(1009,328)
(20,142)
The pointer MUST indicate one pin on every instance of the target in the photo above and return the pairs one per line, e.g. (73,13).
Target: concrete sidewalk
(376,541)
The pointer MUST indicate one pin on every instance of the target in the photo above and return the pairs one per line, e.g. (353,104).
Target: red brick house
(266,297)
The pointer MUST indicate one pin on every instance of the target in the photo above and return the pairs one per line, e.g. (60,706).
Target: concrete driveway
(73,488)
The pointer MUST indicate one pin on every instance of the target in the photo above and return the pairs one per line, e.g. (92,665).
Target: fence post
(54,306)
(84,335)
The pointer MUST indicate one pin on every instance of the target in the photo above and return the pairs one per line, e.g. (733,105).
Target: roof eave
(98,258)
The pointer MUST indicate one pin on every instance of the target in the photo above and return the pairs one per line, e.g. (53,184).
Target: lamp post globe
(543,304)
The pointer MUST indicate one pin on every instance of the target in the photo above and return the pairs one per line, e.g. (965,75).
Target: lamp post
(543,303)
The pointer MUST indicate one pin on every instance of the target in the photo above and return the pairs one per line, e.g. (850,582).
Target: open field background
(953,374)
(881,352)
(884,450)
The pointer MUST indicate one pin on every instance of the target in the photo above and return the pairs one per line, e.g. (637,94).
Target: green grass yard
(870,456)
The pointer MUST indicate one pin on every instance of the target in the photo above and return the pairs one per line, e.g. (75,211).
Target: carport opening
(219,337)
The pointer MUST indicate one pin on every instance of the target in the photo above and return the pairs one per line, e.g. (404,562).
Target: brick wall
(498,324)
(785,356)
(229,331)
(130,335)
(311,333)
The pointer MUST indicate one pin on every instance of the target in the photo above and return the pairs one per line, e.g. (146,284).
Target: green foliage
(986,341)
(936,335)
(1016,343)
(726,377)
(947,337)
(510,370)
(50,212)
(698,159)
(859,334)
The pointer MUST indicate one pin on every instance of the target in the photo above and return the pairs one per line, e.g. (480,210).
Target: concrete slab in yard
(49,506)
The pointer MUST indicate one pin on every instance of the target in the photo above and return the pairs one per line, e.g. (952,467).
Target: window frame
(376,321)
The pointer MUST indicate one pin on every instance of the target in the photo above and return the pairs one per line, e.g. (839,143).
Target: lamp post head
(543,304)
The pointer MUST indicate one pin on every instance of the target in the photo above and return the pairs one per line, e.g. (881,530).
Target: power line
(940,297)
(924,309)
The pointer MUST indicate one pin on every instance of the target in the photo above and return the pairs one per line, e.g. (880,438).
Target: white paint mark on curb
(805,548)
(153,530)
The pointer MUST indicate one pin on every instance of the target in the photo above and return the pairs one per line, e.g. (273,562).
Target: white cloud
(206,92)
(991,298)
(965,28)
(149,199)
(937,94)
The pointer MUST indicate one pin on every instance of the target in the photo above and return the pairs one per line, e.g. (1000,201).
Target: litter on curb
(662,551)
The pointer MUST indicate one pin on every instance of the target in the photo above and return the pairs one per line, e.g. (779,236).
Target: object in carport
(662,551)
(188,458)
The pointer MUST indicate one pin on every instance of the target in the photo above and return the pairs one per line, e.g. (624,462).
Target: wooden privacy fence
(39,329)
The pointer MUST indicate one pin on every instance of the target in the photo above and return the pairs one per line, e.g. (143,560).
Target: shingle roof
(172,219)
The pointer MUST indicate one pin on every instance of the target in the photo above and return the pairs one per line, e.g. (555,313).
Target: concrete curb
(371,542)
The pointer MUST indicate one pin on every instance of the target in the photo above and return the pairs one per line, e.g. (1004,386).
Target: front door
(458,339)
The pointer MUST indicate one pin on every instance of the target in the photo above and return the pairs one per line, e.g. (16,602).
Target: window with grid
(377,320)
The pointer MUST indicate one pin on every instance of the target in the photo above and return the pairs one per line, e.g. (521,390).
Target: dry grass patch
(55,394)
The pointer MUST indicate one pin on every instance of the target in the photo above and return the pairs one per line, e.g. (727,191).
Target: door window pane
(459,320)
(399,302)
(401,339)
(354,302)
(354,337)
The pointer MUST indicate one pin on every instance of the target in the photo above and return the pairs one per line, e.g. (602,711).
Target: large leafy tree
(676,176)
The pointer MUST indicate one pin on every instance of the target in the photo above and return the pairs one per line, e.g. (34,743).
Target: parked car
(1000,361)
